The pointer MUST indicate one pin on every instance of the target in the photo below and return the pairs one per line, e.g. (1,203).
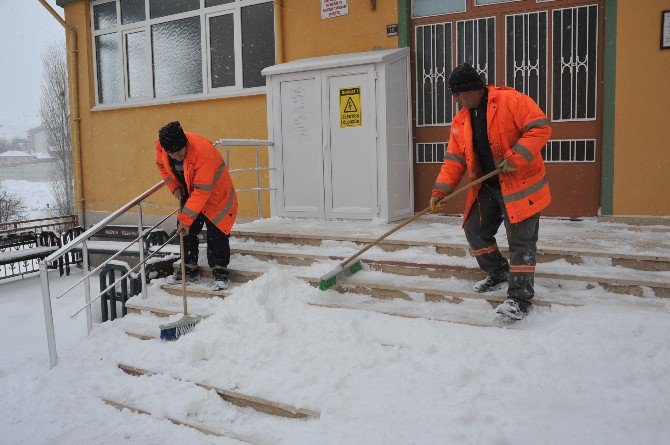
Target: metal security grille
(476,45)
(526,61)
(570,150)
(575,37)
(433,65)
(430,153)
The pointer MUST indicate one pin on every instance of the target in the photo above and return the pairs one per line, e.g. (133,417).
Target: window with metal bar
(476,45)
(574,43)
(570,150)
(526,55)
(430,152)
(433,66)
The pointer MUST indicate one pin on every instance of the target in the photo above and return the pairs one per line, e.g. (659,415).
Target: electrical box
(342,131)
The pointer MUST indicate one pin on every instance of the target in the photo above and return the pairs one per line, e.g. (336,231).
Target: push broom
(349,267)
(174,330)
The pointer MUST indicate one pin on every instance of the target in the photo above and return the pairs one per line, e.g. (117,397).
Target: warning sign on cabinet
(351,111)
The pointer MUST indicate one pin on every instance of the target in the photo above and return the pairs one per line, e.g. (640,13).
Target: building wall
(118,144)
(642,101)
(306,34)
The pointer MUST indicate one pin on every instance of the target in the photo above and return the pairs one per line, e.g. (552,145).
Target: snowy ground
(596,374)
(34,195)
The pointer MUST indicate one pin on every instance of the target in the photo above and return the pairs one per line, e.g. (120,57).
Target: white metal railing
(227,143)
(82,241)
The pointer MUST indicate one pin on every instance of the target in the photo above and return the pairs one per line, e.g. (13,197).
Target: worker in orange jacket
(498,127)
(197,176)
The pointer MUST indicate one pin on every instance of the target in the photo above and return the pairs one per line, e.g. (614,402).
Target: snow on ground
(34,195)
(597,374)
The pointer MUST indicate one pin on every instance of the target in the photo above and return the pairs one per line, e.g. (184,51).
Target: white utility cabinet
(342,133)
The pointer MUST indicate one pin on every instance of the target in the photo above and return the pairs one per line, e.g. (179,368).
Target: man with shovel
(197,176)
(498,127)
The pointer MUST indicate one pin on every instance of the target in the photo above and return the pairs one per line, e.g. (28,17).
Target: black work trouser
(218,246)
(481,226)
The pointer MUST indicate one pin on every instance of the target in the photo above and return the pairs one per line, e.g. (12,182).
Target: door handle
(326,147)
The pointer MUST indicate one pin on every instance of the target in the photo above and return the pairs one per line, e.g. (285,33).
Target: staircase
(411,269)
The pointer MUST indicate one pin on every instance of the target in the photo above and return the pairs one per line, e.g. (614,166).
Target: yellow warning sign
(351,112)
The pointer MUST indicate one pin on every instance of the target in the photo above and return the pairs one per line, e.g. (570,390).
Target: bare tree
(11,207)
(55,115)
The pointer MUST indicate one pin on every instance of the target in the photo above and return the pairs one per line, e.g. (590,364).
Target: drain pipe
(75,120)
(279,34)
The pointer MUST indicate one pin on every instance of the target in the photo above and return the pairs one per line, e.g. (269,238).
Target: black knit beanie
(172,137)
(464,78)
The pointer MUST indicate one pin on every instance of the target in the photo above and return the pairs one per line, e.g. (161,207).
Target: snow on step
(235,397)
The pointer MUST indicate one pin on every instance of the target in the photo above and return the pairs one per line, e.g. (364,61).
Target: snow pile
(593,374)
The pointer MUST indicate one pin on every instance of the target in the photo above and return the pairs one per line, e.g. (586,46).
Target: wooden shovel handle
(184,292)
(421,213)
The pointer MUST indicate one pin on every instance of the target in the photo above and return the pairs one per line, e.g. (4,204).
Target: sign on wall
(334,8)
(350,107)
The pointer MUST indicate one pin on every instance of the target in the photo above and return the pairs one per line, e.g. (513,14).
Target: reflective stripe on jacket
(517,130)
(209,185)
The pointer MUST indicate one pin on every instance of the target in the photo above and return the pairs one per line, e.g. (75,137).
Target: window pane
(222,50)
(209,3)
(258,42)
(161,8)
(104,15)
(177,57)
(109,71)
(138,76)
(132,11)
(435,7)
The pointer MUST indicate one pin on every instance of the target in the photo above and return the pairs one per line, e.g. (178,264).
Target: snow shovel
(349,267)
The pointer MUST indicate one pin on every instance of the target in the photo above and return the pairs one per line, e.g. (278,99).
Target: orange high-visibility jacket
(517,130)
(210,188)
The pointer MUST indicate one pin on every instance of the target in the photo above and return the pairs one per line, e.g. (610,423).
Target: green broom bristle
(332,278)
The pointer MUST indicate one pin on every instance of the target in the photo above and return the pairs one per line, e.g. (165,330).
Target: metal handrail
(100,225)
(82,240)
(258,143)
(137,201)
(141,263)
(108,260)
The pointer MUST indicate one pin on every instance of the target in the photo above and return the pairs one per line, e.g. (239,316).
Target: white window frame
(120,30)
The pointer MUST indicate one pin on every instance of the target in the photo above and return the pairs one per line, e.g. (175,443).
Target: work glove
(434,206)
(506,166)
(178,193)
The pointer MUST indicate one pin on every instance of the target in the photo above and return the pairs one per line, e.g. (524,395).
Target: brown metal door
(549,50)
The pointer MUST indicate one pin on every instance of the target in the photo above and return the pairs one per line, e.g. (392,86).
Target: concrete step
(638,261)
(235,397)
(609,280)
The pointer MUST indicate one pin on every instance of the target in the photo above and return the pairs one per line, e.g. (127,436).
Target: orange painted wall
(118,144)
(642,116)
(306,34)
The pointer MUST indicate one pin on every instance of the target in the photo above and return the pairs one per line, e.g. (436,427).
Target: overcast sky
(26,28)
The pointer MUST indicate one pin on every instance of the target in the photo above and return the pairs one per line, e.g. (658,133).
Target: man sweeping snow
(498,127)
(197,176)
